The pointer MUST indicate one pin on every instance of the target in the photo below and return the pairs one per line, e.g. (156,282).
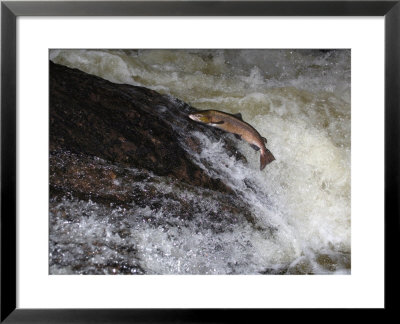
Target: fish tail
(266,157)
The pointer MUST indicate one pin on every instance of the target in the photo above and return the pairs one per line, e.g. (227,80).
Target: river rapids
(298,99)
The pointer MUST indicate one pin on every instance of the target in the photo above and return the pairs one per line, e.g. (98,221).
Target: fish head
(201,117)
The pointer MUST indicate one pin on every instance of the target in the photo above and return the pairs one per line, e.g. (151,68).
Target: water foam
(298,100)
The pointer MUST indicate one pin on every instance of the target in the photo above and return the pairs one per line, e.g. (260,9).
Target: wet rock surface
(129,125)
(122,156)
(91,178)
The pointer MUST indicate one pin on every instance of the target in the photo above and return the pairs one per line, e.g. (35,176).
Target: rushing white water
(299,100)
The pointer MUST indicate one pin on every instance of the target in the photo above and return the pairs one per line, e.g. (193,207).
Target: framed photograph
(163,159)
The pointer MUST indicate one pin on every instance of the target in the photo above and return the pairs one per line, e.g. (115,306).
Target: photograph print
(200,161)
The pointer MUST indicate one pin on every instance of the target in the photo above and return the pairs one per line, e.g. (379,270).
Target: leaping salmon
(235,124)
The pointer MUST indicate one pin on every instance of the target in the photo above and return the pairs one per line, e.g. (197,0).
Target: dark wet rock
(132,126)
(332,262)
(94,179)
(304,266)
(121,159)
(320,263)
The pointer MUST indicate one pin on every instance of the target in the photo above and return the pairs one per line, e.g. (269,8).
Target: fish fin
(238,115)
(265,140)
(266,157)
(218,123)
(255,147)
(238,136)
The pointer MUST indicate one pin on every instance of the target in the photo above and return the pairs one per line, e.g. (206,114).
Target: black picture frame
(11,10)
